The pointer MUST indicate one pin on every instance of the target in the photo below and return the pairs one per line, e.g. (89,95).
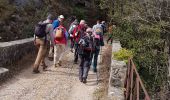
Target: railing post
(131,83)
(133,92)
(137,89)
(128,79)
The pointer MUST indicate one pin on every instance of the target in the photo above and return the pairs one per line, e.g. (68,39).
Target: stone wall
(117,76)
(13,51)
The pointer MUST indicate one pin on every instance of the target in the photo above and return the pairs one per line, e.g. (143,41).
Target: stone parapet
(117,76)
(13,51)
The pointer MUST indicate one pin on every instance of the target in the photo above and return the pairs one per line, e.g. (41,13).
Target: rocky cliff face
(18,17)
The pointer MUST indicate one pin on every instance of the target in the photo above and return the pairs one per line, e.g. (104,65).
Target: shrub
(123,55)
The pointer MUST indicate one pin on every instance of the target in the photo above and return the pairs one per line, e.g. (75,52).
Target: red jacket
(79,32)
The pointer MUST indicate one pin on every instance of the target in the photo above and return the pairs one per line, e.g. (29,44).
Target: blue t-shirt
(56,23)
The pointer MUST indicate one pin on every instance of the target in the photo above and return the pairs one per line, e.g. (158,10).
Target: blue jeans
(95,58)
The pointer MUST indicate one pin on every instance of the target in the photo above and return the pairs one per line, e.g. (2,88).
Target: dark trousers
(95,58)
(72,43)
(76,54)
(84,65)
(110,38)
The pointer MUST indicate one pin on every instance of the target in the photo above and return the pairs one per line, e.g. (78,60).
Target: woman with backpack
(86,54)
(98,42)
(60,39)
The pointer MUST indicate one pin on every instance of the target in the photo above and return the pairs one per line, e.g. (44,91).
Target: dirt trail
(59,83)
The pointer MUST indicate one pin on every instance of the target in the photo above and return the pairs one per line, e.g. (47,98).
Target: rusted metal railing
(135,89)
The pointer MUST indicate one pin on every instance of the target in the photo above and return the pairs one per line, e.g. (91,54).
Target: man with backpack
(78,33)
(86,53)
(98,41)
(71,29)
(60,39)
(43,31)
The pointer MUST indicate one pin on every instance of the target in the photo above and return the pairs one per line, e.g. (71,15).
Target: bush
(148,51)
(123,55)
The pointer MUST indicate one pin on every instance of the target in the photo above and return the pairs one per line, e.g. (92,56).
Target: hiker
(71,28)
(42,35)
(78,33)
(86,54)
(98,42)
(103,24)
(55,24)
(111,27)
(60,40)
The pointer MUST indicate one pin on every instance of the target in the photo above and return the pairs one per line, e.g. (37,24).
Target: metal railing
(135,89)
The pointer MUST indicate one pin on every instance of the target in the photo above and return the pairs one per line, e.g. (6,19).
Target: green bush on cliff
(123,55)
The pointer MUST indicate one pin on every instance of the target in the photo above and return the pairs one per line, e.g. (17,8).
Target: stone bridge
(56,83)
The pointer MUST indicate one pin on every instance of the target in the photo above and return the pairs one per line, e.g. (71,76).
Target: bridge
(122,82)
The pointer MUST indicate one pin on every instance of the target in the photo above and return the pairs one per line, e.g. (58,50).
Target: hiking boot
(59,63)
(35,71)
(56,65)
(50,58)
(71,50)
(84,80)
(45,67)
(95,70)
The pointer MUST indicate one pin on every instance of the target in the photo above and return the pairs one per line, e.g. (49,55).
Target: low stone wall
(13,51)
(117,76)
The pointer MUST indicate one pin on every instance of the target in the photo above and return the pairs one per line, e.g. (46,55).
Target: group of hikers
(85,43)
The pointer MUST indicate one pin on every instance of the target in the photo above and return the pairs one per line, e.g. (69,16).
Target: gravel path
(59,83)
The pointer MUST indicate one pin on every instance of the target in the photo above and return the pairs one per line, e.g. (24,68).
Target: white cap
(61,16)
(103,22)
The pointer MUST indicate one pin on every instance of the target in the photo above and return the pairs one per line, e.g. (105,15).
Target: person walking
(111,28)
(86,54)
(103,24)
(56,23)
(43,33)
(98,42)
(61,37)
(78,33)
(71,29)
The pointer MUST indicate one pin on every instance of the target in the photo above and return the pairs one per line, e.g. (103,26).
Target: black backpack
(40,30)
(86,45)
(97,43)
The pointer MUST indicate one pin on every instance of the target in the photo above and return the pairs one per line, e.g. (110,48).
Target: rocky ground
(59,83)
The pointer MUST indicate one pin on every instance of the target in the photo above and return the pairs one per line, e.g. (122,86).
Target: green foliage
(123,55)
(6,10)
(79,12)
(140,31)
(148,47)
